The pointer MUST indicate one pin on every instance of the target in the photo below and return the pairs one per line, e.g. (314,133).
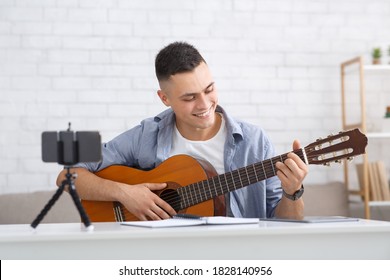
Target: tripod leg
(80,208)
(48,206)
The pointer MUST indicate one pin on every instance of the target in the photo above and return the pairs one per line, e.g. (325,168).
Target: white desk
(267,240)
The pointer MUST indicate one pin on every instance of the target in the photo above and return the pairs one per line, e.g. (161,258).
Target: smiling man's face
(193,97)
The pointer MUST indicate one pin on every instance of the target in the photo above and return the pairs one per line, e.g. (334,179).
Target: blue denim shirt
(148,144)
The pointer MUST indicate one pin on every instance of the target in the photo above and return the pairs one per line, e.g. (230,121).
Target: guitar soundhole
(172,198)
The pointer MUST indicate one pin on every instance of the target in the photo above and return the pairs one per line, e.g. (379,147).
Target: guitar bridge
(118,212)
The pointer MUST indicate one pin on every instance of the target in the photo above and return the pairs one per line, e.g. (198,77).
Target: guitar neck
(221,184)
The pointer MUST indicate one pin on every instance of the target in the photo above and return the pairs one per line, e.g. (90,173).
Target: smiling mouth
(205,114)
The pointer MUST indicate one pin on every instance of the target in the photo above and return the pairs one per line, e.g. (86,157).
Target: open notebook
(190,220)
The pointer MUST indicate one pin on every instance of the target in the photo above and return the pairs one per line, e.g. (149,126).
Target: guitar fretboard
(221,184)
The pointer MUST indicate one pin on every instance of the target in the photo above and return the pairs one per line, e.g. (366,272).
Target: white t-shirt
(211,150)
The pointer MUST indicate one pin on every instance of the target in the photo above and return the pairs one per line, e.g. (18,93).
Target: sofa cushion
(23,208)
(330,199)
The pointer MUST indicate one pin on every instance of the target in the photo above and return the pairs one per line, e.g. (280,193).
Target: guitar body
(177,171)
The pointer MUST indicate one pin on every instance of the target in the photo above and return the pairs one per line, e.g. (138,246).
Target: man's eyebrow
(194,93)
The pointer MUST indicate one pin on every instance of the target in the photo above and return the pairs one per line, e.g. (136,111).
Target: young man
(195,125)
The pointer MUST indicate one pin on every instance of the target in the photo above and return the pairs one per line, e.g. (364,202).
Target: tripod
(72,191)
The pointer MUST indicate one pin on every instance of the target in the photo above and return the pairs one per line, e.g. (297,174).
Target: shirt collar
(233,127)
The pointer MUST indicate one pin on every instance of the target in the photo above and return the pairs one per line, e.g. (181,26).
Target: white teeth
(203,114)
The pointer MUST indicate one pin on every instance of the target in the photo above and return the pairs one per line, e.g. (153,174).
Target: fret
(180,191)
(211,183)
(239,177)
(186,198)
(254,171)
(234,183)
(246,171)
(200,192)
(268,170)
(272,165)
(215,189)
(265,173)
(220,184)
(232,175)
(209,194)
(191,199)
(257,171)
(245,179)
(226,182)
(215,186)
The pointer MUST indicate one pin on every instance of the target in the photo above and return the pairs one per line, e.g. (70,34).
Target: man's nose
(202,101)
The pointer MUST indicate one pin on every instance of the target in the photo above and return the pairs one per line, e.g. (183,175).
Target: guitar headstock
(333,148)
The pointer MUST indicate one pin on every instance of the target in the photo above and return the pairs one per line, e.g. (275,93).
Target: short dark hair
(177,57)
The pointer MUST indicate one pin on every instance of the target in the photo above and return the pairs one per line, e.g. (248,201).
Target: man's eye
(189,98)
(210,89)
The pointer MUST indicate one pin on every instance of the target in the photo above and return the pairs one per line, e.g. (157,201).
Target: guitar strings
(201,191)
(195,193)
(194,196)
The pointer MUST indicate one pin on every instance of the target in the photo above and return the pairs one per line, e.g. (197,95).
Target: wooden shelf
(358,65)
(379,67)
(378,134)
(379,203)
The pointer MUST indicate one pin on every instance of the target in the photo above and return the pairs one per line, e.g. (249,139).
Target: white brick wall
(276,63)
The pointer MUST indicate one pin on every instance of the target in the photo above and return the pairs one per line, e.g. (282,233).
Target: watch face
(296,195)
(299,193)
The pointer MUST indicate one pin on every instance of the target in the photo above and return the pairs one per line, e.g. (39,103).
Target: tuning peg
(319,139)
(338,161)
(327,164)
(349,158)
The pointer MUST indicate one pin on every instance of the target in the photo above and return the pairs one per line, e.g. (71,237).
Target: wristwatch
(296,195)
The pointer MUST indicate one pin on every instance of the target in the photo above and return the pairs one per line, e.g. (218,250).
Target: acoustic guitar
(192,185)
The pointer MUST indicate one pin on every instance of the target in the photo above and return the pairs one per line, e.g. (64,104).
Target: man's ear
(163,96)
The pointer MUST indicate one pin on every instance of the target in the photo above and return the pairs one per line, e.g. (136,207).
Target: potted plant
(376,56)
(386,121)
(389,52)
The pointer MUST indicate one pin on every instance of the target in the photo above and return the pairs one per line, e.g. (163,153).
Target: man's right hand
(140,199)
(143,203)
